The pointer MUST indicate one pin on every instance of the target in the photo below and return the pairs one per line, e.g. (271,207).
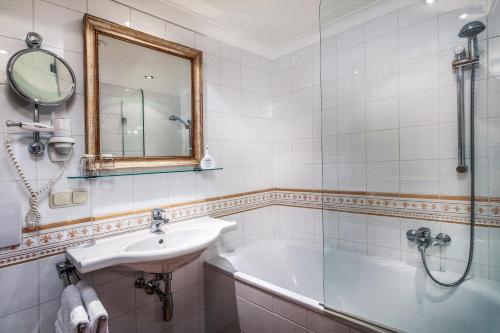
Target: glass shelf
(138,173)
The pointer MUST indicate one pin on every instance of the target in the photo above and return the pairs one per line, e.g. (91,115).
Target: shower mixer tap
(423,238)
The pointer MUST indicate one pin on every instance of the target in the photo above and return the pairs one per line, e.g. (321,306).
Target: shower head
(173,117)
(472,29)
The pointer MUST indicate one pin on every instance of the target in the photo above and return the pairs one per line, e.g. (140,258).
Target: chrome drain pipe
(165,295)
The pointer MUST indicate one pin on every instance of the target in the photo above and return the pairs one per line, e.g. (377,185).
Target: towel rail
(66,270)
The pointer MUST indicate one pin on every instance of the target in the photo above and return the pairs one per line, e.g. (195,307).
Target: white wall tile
(50,286)
(301,56)
(281,83)
(150,191)
(19,286)
(384,231)
(494,246)
(329,95)
(418,40)
(382,83)
(382,52)
(117,296)
(25,321)
(382,114)
(350,90)
(383,145)
(420,142)
(47,314)
(419,176)
(351,119)
(350,37)
(353,227)
(207,44)
(103,203)
(230,100)
(381,26)
(302,76)
(459,250)
(230,73)
(420,108)
(493,97)
(59,27)
(352,148)
(330,176)
(383,177)
(230,53)
(147,23)
(352,176)
(180,35)
(125,323)
(253,61)
(450,181)
(249,79)
(351,61)
(110,10)
(494,22)
(419,73)
(416,13)
(16,18)
(494,137)
(494,176)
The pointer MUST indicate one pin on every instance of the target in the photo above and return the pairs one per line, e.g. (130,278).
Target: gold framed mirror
(143,98)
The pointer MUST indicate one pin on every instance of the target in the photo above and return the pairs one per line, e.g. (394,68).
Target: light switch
(80,197)
(61,199)
(68,198)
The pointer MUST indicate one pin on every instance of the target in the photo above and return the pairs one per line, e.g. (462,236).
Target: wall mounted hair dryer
(60,144)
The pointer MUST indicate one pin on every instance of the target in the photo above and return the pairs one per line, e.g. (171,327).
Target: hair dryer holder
(60,144)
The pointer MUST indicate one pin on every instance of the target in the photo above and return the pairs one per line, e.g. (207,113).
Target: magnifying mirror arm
(36,147)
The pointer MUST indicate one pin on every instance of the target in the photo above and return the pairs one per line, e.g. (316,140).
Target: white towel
(98,315)
(71,315)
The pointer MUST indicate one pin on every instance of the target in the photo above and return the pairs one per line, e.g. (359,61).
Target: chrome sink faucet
(158,217)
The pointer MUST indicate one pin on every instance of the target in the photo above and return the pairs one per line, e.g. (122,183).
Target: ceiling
(269,22)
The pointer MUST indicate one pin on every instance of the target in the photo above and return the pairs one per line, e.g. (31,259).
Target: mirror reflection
(144,101)
(41,77)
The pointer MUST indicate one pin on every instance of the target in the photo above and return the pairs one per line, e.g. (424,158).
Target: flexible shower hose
(472,199)
(33,217)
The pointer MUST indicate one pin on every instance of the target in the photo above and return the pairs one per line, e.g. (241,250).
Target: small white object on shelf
(207,162)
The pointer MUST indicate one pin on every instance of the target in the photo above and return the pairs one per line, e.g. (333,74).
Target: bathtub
(382,292)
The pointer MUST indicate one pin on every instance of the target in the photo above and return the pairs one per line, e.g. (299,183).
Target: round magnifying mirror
(41,77)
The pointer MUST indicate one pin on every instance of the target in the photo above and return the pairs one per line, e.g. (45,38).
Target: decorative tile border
(55,238)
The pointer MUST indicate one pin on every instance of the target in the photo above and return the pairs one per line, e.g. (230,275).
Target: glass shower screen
(389,156)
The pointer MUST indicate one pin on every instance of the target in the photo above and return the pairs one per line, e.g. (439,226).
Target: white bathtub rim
(301,300)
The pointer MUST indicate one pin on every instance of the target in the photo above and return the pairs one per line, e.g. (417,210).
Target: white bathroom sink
(177,245)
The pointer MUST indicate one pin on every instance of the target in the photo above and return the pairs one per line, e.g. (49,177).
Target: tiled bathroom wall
(389,106)
(237,129)
(383,120)
(33,290)
(237,111)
